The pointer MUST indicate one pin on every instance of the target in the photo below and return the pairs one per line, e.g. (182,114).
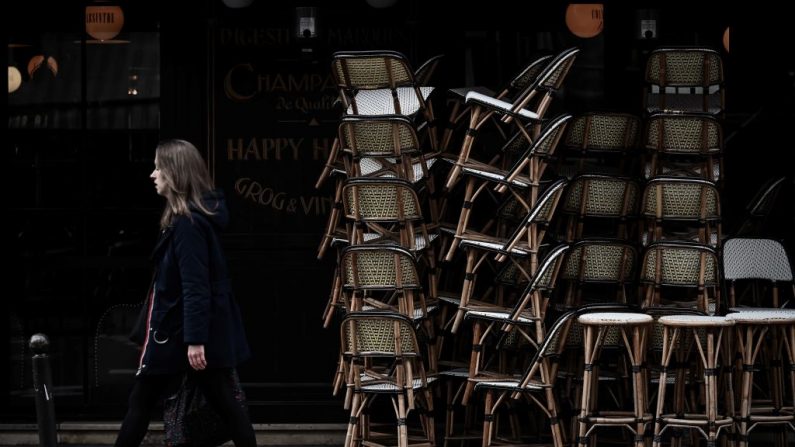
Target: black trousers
(214,383)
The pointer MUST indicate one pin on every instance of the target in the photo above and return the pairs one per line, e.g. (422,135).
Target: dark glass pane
(48,96)
(123,82)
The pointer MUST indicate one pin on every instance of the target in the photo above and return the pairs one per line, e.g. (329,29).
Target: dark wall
(258,100)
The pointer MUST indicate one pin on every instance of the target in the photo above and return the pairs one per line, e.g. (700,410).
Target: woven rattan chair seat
(463,91)
(418,313)
(507,385)
(388,387)
(491,244)
(695,321)
(380,102)
(614,318)
(499,315)
(498,104)
(768,316)
(488,172)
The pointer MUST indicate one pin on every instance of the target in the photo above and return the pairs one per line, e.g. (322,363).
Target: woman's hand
(196,357)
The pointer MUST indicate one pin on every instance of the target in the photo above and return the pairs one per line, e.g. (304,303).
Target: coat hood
(216,202)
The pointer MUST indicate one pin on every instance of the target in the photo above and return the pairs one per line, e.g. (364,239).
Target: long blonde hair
(186,179)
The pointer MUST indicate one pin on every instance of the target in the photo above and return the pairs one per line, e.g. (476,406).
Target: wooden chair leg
(333,220)
(330,162)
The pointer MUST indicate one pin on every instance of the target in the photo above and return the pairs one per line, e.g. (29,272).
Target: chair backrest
(371,70)
(681,264)
(381,146)
(766,259)
(754,261)
(425,72)
(599,205)
(378,334)
(600,195)
(681,198)
(603,132)
(528,74)
(681,208)
(597,270)
(548,80)
(378,267)
(678,263)
(600,261)
(684,144)
(759,208)
(684,134)
(380,200)
(764,200)
(384,74)
(551,78)
(684,67)
(378,136)
(543,280)
(540,214)
(685,79)
(541,148)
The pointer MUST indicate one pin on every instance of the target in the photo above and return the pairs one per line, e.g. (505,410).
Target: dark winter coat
(193,301)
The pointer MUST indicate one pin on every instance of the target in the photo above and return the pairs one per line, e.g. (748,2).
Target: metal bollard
(42,385)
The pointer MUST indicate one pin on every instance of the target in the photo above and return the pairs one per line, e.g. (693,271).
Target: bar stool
(680,334)
(771,331)
(631,329)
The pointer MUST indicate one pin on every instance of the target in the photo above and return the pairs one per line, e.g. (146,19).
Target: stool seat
(695,320)
(767,316)
(750,309)
(614,318)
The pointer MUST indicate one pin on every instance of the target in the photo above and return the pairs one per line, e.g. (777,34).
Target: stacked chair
(526,110)
(758,276)
(680,229)
(457,96)
(384,229)
(684,80)
(566,279)
(499,201)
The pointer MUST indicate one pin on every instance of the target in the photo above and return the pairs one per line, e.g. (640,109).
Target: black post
(42,385)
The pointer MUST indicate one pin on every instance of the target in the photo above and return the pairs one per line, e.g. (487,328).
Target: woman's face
(160,181)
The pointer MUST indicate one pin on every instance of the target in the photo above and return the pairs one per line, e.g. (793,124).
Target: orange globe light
(726,39)
(14,79)
(104,22)
(585,19)
(36,62)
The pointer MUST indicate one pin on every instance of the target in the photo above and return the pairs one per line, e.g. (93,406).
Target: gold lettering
(252,149)
(233,151)
(268,148)
(229,89)
(254,37)
(266,196)
(320,148)
(306,205)
(368,36)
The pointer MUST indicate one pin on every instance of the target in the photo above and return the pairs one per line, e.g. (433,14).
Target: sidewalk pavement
(96,434)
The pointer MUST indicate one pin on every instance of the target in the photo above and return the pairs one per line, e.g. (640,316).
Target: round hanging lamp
(585,19)
(726,39)
(14,79)
(38,60)
(104,22)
